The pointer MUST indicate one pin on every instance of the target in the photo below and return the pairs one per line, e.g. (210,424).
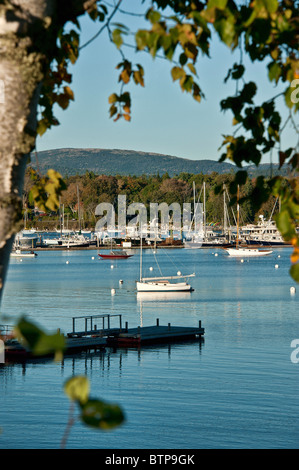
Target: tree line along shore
(85,192)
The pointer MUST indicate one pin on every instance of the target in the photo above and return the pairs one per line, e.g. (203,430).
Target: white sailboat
(240,252)
(162,283)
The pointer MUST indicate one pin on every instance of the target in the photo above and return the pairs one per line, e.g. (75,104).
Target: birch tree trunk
(28,34)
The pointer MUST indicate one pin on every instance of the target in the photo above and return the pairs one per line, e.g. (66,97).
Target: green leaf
(177,73)
(153,16)
(221,4)
(294,272)
(284,224)
(226,30)
(274,71)
(117,38)
(271,5)
(237,71)
(101,415)
(77,389)
(38,341)
(248,92)
(42,126)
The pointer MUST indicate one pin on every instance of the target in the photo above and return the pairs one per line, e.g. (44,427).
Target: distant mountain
(69,161)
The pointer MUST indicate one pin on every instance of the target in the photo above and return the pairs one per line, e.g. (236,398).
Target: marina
(237,387)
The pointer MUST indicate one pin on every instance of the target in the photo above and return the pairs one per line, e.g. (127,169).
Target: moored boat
(117,254)
(240,252)
(23,254)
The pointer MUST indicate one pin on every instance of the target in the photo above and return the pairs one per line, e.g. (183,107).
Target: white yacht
(263,233)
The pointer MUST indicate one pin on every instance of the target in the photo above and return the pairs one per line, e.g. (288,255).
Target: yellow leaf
(68,91)
(77,388)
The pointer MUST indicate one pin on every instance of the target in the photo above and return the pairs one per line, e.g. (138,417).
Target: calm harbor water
(237,389)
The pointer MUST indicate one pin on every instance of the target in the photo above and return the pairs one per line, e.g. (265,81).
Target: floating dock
(97,334)
(135,337)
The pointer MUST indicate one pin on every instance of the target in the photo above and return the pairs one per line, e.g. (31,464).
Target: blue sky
(164,120)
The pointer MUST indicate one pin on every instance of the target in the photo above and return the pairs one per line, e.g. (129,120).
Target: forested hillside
(70,162)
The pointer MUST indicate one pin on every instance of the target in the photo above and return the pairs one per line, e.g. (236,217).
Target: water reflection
(163,296)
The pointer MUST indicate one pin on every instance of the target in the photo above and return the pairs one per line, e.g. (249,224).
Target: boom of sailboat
(167,277)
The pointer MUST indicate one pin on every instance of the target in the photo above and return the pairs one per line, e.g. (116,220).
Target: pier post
(199,324)
(157,321)
(169,326)
(126,326)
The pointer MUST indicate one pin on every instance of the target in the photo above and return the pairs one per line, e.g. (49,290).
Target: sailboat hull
(163,286)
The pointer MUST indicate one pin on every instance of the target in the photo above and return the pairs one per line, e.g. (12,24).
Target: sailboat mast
(79,215)
(224,212)
(140,253)
(204,209)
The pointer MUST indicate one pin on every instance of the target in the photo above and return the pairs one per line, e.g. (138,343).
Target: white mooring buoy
(111,266)
(67,262)
(276,266)
(292,290)
(121,281)
(179,273)
(151,268)
(112,291)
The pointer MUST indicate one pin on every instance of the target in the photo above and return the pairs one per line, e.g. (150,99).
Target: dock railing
(95,324)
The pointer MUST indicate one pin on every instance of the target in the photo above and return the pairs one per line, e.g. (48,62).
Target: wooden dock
(98,336)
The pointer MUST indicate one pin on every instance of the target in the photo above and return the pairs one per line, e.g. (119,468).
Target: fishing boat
(240,251)
(116,254)
(162,283)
